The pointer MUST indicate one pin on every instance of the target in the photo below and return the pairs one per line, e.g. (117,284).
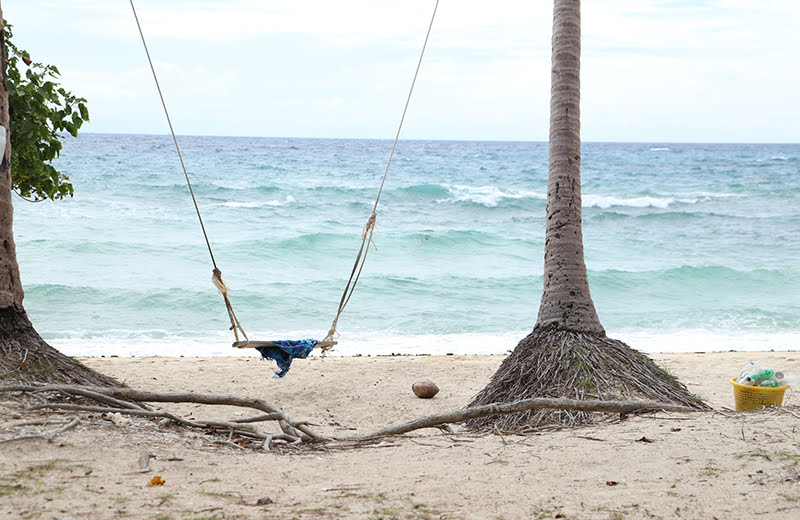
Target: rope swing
(284,351)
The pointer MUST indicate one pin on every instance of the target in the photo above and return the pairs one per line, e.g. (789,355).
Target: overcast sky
(652,71)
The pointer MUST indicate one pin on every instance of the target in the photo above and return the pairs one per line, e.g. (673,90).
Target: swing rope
(366,234)
(369,227)
(216,274)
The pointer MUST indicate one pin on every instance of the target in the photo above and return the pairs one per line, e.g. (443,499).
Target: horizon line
(533,141)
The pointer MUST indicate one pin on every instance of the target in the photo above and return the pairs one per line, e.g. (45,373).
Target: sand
(705,465)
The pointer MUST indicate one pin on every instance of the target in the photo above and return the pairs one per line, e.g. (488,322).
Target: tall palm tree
(568,353)
(24,355)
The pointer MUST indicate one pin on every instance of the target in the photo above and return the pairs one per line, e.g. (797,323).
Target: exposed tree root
(564,364)
(503,409)
(73,422)
(26,358)
(125,401)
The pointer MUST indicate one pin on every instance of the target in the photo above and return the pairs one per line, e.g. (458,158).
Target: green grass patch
(219,494)
(8,489)
(41,468)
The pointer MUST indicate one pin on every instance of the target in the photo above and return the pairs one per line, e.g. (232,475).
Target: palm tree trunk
(568,353)
(566,302)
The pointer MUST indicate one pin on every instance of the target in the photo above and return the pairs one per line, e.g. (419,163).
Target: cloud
(651,69)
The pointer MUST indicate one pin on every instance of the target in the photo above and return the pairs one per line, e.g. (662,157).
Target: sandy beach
(666,465)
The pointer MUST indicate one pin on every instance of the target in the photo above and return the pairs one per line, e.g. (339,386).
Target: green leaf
(40,110)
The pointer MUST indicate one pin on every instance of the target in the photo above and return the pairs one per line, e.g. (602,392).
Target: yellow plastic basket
(755,397)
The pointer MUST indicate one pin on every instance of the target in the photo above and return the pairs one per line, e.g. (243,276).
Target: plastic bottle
(747,371)
(768,383)
(787,381)
(763,375)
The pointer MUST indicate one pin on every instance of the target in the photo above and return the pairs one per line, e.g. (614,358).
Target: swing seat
(283,352)
(257,344)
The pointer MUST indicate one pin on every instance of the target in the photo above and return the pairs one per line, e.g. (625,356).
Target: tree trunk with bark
(568,353)
(24,355)
(566,302)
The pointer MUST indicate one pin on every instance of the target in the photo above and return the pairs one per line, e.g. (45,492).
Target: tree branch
(298,431)
(49,438)
(456,416)
(123,399)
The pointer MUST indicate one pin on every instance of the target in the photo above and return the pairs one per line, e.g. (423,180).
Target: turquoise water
(690,247)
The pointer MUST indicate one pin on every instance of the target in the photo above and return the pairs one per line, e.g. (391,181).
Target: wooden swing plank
(258,344)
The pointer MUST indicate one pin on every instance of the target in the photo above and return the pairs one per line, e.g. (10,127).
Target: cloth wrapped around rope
(283,352)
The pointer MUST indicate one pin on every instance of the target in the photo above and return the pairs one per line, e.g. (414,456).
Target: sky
(652,71)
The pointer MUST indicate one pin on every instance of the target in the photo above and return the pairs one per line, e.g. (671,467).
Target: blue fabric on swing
(285,351)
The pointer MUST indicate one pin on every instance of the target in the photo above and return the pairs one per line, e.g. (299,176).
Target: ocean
(689,247)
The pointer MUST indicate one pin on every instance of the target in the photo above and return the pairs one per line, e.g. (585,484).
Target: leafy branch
(41,113)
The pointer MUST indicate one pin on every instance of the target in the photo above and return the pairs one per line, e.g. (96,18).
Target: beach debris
(758,387)
(425,388)
(144,460)
(156,481)
(118,419)
(754,375)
